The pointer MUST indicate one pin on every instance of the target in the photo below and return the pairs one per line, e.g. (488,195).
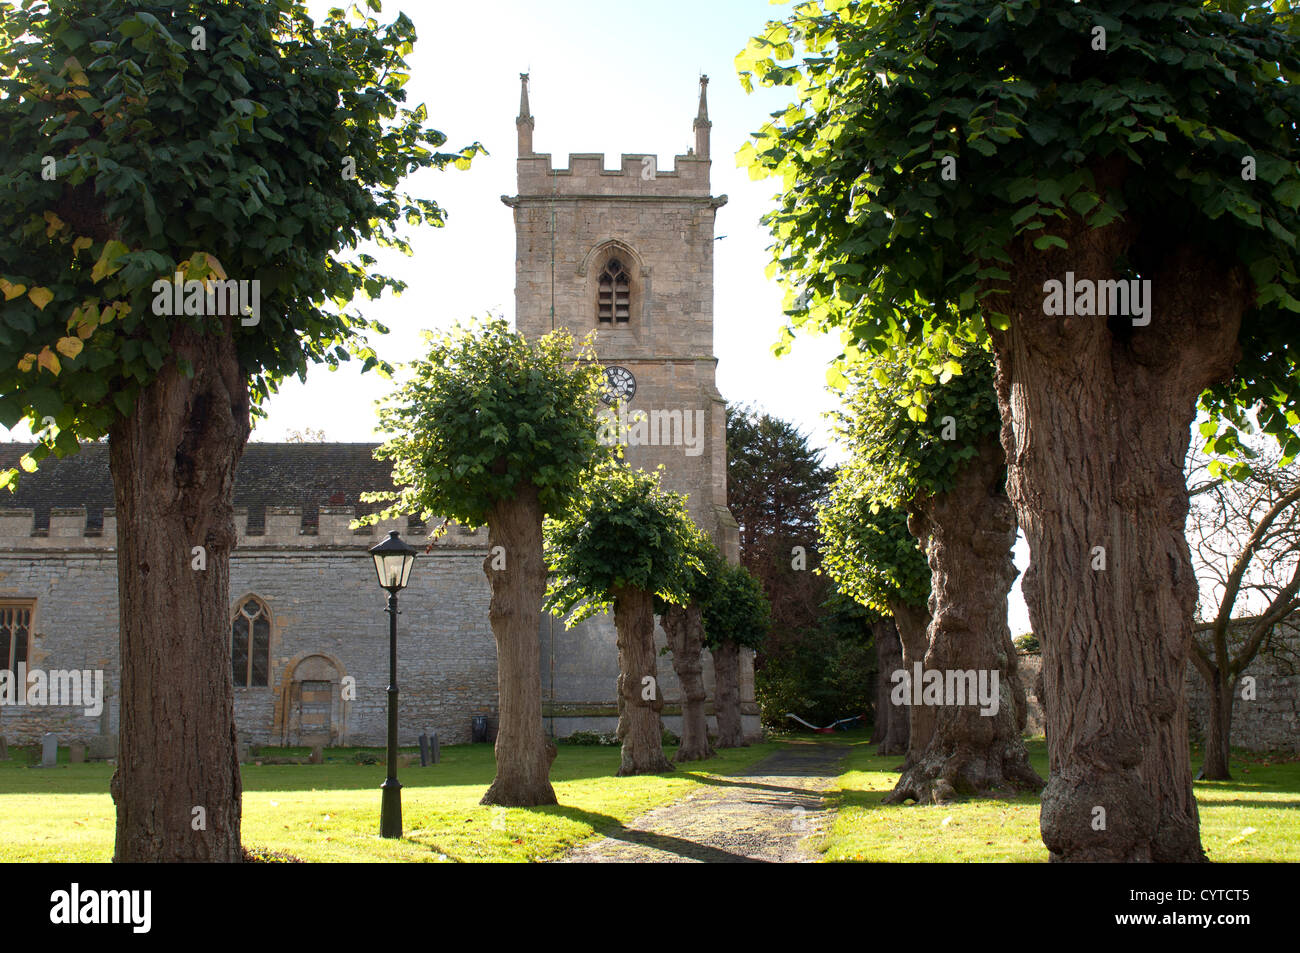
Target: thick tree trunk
(1096,419)
(726,695)
(640,701)
(976,747)
(1218,729)
(913,624)
(685,630)
(891,728)
(177,786)
(523,752)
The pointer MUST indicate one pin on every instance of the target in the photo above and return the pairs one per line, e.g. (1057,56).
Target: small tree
(737,615)
(874,560)
(625,544)
(494,428)
(1245,536)
(684,627)
(148,142)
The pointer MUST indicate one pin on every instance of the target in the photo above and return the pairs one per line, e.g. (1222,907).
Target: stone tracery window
(250,643)
(15,633)
(614,294)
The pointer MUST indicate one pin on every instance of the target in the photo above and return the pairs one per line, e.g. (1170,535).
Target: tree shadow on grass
(614,829)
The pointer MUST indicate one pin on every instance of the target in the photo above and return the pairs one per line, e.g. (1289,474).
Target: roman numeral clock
(620,384)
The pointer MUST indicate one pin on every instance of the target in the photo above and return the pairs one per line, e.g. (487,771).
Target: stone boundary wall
(1268,722)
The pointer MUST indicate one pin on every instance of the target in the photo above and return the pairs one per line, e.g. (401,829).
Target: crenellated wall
(69,528)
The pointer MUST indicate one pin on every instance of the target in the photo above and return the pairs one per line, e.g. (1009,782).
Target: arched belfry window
(614,297)
(250,643)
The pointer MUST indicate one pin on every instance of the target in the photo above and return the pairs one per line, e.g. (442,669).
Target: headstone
(245,755)
(76,753)
(103,747)
(317,754)
(434,753)
(4,749)
(424,751)
(49,750)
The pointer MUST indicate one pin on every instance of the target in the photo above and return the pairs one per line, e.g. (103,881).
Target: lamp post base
(390,814)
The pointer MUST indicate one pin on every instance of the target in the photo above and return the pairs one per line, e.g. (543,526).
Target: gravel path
(763,816)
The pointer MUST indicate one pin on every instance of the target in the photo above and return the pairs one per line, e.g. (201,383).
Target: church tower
(627,253)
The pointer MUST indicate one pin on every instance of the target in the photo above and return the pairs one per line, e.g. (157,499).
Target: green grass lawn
(1255,817)
(330,812)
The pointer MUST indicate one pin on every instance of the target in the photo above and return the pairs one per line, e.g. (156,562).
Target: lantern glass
(393,563)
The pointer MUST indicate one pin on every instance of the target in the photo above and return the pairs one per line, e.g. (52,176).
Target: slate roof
(309,475)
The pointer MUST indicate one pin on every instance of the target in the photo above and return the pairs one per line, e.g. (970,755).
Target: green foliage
(872,240)
(737,610)
(624,531)
(701,573)
(867,549)
(228,160)
(1027,642)
(485,412)
(911,428)
(823,676)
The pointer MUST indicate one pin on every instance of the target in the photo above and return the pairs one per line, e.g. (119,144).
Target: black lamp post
(393,562)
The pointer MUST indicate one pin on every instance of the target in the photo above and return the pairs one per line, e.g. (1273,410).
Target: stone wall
(1268,722)
(327,621)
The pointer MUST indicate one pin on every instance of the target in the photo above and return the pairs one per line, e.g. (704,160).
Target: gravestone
(434,753)
(317,755)
(76,753)
(103,747)
(4,749)
(49,750)
(245,755)
(424,750)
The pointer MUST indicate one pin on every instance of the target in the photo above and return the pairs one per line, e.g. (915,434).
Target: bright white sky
(606,77)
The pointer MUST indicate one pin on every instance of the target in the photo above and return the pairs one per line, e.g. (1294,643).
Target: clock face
(620,385)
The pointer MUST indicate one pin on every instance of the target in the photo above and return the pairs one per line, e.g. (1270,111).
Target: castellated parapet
(637,174)
(69,529)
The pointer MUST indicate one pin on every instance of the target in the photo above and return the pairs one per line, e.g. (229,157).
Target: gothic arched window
(250,643)
(614,297)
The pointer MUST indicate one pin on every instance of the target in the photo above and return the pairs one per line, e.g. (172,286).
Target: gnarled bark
(1096,419)
(173,463)
(685,630)
(523,752)
(913,623)
(640,701)
(726,695)
(968,533)
(890,731)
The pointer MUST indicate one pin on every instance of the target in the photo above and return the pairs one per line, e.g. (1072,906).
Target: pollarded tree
(927,439)
(1109,190)
(737,616)
(496,429)
(145,140)
(684,627)
(867,549)
(626,543)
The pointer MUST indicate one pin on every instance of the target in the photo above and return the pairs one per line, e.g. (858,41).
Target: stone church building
(627,252)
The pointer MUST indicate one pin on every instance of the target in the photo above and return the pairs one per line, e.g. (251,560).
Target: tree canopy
(925,138)
(911,431)
(867,549)
(737,611)
(143,139)
(485,410)
(624,531)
